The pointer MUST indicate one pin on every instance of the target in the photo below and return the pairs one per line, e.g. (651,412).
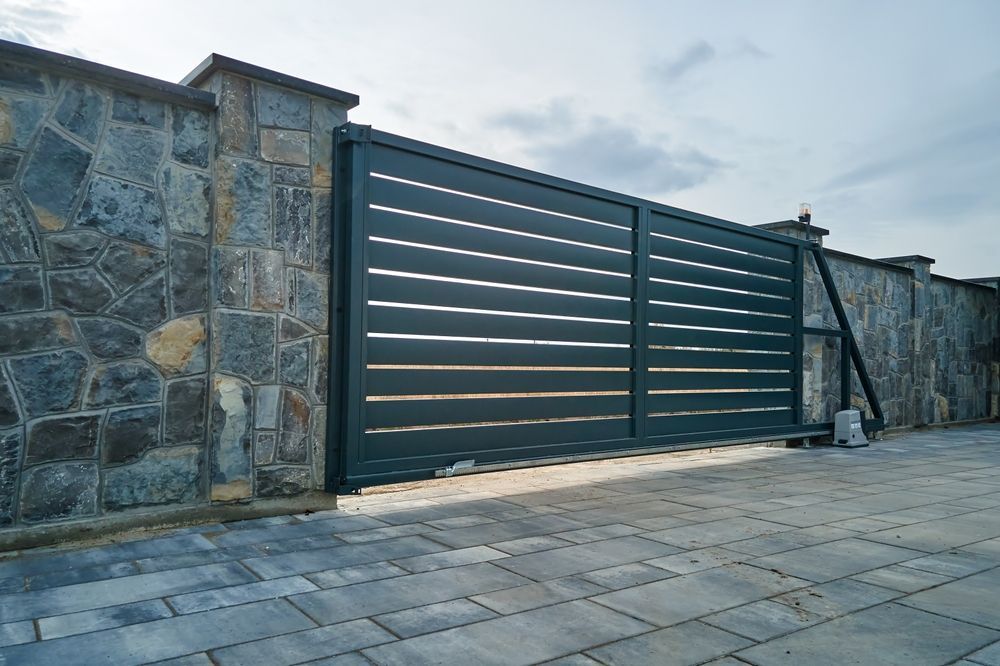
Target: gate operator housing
(847,431)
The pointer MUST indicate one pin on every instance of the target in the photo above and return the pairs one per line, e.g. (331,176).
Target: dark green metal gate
(484,312)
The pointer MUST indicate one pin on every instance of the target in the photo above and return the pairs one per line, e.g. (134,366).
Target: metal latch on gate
(451,469)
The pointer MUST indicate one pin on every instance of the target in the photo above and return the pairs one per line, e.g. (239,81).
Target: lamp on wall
(805,215)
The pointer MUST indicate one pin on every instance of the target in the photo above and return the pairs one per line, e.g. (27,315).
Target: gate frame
(348,313)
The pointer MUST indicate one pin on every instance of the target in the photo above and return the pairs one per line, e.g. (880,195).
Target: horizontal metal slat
(683,358)
(685,316)
(704,233)
(689,402)
(500,442)
(400,413)
(702,254)
(673,425)
(409,259)
(442,382)
(452,176)
(406,196)
(711,277)
(478,325)
(713,298)
(690,337)
(412,351)
(683,381)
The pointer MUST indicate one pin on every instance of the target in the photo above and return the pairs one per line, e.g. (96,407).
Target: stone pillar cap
(793,225)
(909,259)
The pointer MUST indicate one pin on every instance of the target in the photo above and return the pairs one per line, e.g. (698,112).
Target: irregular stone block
(133,153)
(35,332)
(123,210)
(293,224)
(164,476)
(231,430)
(24,79)
(20,118)
(294,364)
(186,197)
(230,268)
(62,438)
(292,329)
(18,237)
(10,457)
(184,411)
(188,276)
(282,108)
(9,161)
(129,108)
(244,344)
(9,412)
(325,117)
(312,298)
(237,118)
(21,289)
(191,132)
(72,248)
(52,179)
(288,175)
(127,265)
(81,291)
(124,383)
(49,382)
(145,307)
(60,490)
(323,225)
(281,481)
(268,280)
(107,338)
(129,433)
(285,146)
(81,111)
(265,413)
(295,413)
(317,444)
(243,203)
(320,368)
(178,346)
(263,448)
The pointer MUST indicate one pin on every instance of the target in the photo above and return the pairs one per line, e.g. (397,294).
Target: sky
(883,114)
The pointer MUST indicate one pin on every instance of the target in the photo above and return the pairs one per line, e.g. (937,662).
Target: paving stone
(200,659)
(59,578)
(791,540)
(231,430)
(243,203)
(626,575)
(683,645)
(194,558)
(763,620)
(63,437)
(123,383)
(123,210)
(170,637)
(872,637)
(237,112)
(102,618)
(716,532)
(585,557)
(168,475)
(361,573)
(536,595)
(52,179)
(381,533)
(573,660)
(16,633)
(989,656)
(282,108)
(589,534)
(434,617)
(57,491)
(293,224)
(244,344)
(191,133)
(195,602)
(449,559)
(690,596)
(838,597)
(524,638)
(18,237)
(971,599)
(81,291)
(132,153)
(126,265)
(311,644)
(81,111)
(828,561)
(308,561)
(129,108)
(282,480)
(20,118)
(21,289)
(394,594)
(955,564)
(459,521)
(505,531)
(698,560)
(902,578)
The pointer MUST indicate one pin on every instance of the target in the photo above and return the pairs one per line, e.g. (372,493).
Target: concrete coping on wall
(964,283)
(785,226)
(909,259)
(216,62)
(120,79)
(879,263)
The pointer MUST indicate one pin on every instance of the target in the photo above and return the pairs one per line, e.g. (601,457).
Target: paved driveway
(884,555)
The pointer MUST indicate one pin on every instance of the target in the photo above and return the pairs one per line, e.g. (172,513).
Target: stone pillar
(270,273)
(994,390)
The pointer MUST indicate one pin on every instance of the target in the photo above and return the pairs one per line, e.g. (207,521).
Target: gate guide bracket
(451,469)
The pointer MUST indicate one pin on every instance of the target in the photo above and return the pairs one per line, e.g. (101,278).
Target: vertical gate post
(641,351)
(798,305)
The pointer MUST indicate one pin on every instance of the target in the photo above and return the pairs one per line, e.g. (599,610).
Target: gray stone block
(263,448)
(294,363)
(49,382)
(325,117)
(323,226)
(268,280)
(230,286)
(21,289)
(284,146)
(79,290)
(289,175)
(18,237)
(10,413)
(266,407)
(20,118)
(282,108)
(109,339)
(14,76)
(232,418)
(283,480)
(293,224)
(129,433)
(188,276)
(11,442)
(81,111)
(244,344)
(292,329)
(129,108)
(191,132)
(63,437)
(123,210)
(184,411)
(167,475)
(243,203)
(145,306)
(123,383)
(187,197)
(312,293)
(89,621)
(10,161)
(35,332)
(72,248)
(132,153)
(237,117)
(127,265)
(57,491)
(53,177)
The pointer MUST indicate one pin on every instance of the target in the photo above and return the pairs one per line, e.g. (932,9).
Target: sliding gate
(486,313)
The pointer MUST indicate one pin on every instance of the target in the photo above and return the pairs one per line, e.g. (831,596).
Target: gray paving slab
(902,578)
(954,563)
(573,660)
(936,535)
(86,575)
(508,530)
(874,637)
(988,656)
(577,559)
(690,561)
(448,559)
(295,530)
(972,599)
(15,633)
(836,559)
(515,640)
(682,645)
(589,534)
(716,532)
(536,595)
(383,533)
(199,659)
(195,558)
(837,597)
(308,561)
(164,639)
(195,602)
(349,659)
(762,620)
(434,617)
(361,573)
(530,544)
(304,645)
(626,575)
(102,618)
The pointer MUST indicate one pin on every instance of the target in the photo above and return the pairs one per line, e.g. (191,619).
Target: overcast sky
(885,115)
